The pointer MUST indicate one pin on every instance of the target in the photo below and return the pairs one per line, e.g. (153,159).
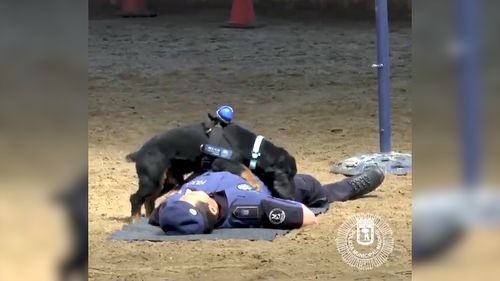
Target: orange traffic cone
(135,8)
(242,15)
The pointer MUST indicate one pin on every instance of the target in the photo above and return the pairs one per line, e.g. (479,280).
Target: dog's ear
(132,157)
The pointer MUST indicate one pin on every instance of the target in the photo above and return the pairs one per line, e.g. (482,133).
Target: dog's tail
(132,157)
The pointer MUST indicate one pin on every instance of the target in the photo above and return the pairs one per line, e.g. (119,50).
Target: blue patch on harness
(216,151)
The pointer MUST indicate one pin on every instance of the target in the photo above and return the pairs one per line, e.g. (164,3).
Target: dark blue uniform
(242,205)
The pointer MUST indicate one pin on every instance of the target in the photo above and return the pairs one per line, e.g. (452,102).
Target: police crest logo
(277,216)
(245,187)
(365,241)
(193,212)
(365,228)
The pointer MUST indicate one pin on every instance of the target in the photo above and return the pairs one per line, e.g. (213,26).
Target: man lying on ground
(224,200)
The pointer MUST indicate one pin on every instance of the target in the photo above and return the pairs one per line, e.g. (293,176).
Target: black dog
(275,166)
(162,162)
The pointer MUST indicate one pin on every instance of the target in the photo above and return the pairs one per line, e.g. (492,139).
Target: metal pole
(469,91)
(383,66)
(391,162)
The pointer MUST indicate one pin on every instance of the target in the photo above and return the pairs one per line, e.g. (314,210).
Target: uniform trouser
(311,193)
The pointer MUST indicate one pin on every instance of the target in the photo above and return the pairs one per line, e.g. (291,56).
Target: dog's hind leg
(149,203)
(148,188)
(167,183)
(136,200)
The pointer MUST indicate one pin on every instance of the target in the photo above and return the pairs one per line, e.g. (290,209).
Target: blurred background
(43,129)
(456,218)
(361,9)
(43,134)
(304,80)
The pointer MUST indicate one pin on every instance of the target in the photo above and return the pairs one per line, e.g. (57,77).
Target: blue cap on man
(225,113)
(182,218)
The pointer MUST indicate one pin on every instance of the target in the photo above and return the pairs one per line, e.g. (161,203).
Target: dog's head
(284,169)
(286,163)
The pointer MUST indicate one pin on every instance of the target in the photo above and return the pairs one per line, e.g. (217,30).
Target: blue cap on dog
(225,113)
(181,218)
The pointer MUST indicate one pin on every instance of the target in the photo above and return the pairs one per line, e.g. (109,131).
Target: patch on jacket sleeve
(245,187)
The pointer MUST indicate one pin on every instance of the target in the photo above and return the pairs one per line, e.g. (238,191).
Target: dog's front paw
(255,184)
(135,218)
(251,179)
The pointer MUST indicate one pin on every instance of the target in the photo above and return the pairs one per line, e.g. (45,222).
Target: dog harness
(216,135)
(255,152)
(217,146)
(215,151)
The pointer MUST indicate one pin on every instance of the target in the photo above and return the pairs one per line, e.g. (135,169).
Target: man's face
(193,197)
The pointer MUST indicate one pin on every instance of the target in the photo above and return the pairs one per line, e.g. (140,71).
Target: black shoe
(366,182)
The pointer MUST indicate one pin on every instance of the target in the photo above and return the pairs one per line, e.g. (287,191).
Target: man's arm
(285,214)
(309,217)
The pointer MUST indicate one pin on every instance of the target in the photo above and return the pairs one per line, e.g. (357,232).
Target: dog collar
(255,152)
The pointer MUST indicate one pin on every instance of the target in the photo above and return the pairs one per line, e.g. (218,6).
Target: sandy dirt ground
(306,85)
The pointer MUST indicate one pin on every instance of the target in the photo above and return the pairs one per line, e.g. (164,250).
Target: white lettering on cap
(193,212)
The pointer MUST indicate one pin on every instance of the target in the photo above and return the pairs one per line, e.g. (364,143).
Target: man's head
(194,213)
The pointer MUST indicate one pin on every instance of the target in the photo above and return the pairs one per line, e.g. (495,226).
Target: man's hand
(309,218)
